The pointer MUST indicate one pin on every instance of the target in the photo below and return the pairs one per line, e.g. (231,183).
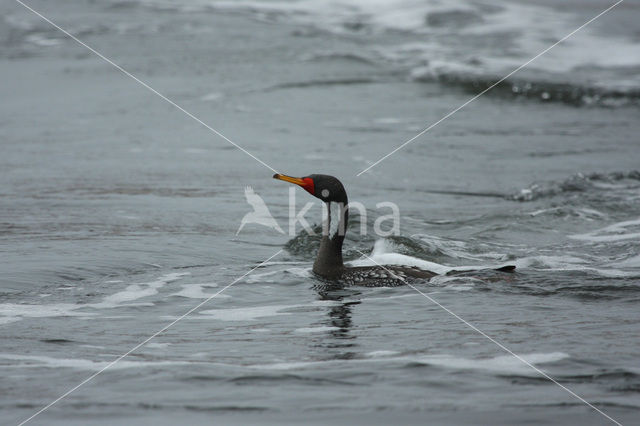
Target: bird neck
(329,262)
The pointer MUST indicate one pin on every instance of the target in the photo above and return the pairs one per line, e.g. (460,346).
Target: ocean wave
(12,312)
(499,365)
(320,329)
(577,94)
(566,263)
(277,275)
(196,291)
(330,56)
(580,182)
(385,253)
(137,291)
(503,364)
(469,45)
(33,361)
(29,31)
(251,313)
(626,230)
(567,211)
(444,256)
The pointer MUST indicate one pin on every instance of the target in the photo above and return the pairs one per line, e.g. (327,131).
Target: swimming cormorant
(328,264)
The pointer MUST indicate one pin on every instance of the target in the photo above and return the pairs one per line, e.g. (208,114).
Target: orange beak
(306,182)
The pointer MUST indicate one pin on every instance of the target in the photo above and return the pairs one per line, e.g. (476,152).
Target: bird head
(325,187)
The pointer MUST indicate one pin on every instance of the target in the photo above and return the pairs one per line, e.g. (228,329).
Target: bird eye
(325,193)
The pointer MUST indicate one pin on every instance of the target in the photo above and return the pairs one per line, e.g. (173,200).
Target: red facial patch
(309,186)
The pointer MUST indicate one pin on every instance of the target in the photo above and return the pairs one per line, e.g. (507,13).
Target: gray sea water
(118,213)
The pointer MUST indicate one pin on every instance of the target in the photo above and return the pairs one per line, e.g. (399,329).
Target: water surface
(119,213)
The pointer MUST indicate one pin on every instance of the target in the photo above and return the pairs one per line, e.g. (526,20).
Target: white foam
(550,262)
(393,14)
(570,263)
(451,248)
(459,287)
(157,345)
(383,254)
(252,313)
(12,312)
(41,40)
(196,291)
(584,213)
(451,280)
(627,230)
(501,364)
(300,272)
(530,29)
(262,277)
(40,311)
(138,291)
(32,361)
(281,262)
(381,354)
(245,314)
(632,262)
(315,329)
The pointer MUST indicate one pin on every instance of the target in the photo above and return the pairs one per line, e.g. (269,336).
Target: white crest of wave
(501,364)
(251,313)
(12,312)
(320,329)
(32,361)
(631,262)
(262,277)
(196,291)
(138,291)
(626,230)
(439,25)
(383,254)
(572,263)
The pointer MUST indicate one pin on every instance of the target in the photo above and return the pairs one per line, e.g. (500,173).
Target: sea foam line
(488,88)
(144,342)
(500,345)
(615,232)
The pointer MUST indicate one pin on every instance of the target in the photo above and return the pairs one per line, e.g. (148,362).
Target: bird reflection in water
(339,340)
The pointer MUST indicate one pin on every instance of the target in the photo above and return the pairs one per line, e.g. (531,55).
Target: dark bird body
(378,276)
(329,265)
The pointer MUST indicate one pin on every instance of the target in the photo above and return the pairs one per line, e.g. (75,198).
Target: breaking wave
(469,44)
(602,182)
